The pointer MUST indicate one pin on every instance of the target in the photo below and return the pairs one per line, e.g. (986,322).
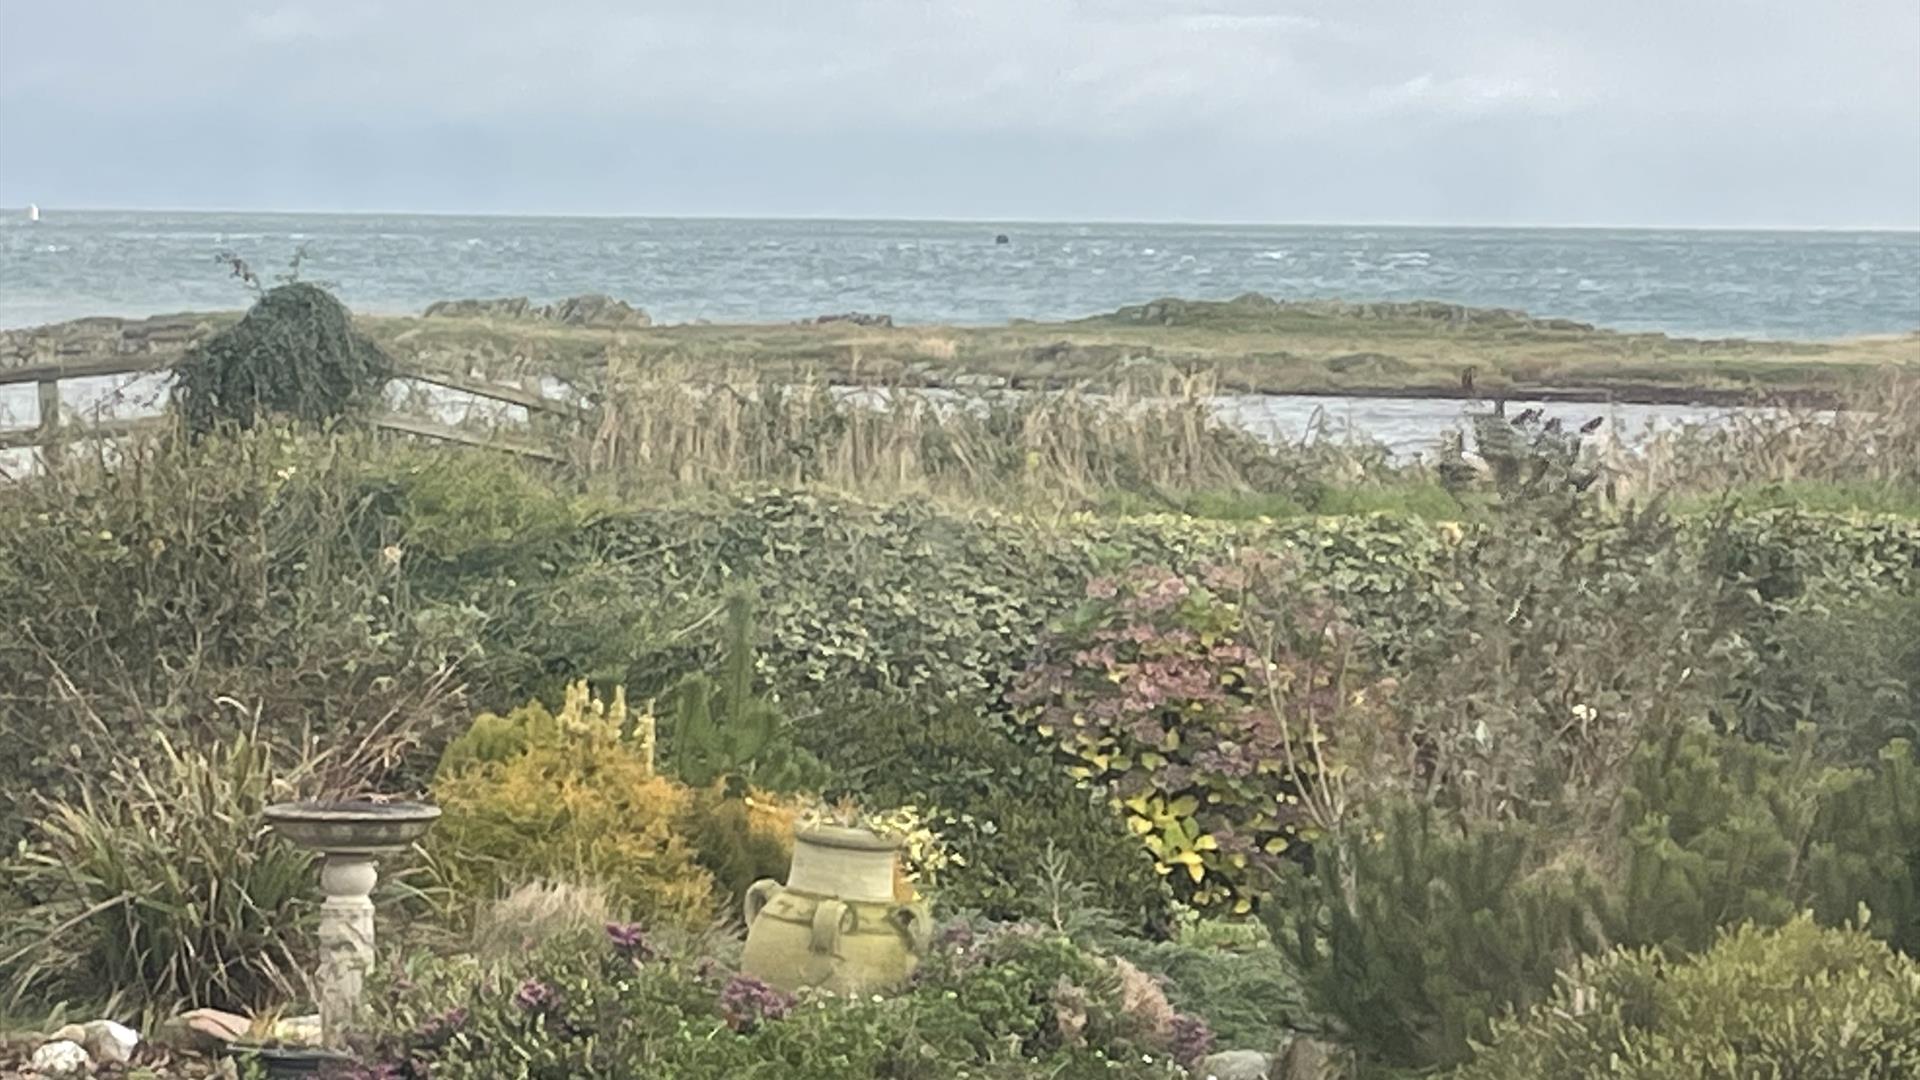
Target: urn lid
(840,836)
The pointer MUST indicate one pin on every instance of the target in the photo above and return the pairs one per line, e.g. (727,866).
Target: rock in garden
(105,1041)
(1236,1065)
(62,1057)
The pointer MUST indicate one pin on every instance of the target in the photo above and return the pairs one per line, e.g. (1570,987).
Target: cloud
(1439,92)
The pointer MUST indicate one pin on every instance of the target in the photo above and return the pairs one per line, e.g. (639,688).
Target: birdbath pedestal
(349,836)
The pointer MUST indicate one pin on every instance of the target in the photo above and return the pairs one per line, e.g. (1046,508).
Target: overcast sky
(1661,112)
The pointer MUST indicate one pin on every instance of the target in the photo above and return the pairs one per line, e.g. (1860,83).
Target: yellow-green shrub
(542,796)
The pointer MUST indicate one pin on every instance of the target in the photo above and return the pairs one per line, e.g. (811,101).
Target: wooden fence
(54,430)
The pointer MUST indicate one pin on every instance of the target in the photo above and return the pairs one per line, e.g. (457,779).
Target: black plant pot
(290,1062)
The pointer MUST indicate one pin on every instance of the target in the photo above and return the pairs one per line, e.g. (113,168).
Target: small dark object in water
(1592,425)
(1002,239)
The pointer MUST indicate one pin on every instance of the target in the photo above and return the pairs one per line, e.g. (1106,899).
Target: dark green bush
(295,354)
(1414,933)
(1716,830)
(1798,1001)
(1415,930)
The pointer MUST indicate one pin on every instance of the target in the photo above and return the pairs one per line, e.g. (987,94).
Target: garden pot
(835,925)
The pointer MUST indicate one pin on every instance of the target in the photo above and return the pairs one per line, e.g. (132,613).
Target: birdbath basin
(350,835)
(352,827)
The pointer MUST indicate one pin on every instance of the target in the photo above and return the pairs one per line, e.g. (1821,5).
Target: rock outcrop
(857,318)
(592,309)
(1251,309)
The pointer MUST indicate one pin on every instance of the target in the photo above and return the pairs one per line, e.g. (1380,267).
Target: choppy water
(1700,283)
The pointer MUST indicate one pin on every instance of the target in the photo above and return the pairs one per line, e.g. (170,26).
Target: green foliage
(999,802)
(741,838)
(295,354)
(1717,831)
(1415,933)
(1012,1004)
(158,884)
(1567,633)
(1797,1001)
(721,728)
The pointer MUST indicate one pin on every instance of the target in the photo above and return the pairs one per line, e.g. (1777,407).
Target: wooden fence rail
(52,430)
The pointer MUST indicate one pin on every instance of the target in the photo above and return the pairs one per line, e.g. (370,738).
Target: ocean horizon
(1788,284)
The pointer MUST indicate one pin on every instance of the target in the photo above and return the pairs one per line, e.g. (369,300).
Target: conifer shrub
(1415,930)
(569,795)
(1796,1001)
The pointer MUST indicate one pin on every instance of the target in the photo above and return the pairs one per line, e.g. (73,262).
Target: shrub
(1162,690)
(1415,931)
(1717,830)
(1249,995)
(1569,634)
(250,569)
(1800,1001)
(542,796)
(741,838)
(295,354)
(158,884)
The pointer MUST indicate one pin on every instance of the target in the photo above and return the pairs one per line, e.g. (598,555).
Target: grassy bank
(1250,344)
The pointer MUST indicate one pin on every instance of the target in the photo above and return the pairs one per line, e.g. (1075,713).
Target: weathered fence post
(50,422)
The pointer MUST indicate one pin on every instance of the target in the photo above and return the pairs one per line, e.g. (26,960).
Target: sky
(1744,113)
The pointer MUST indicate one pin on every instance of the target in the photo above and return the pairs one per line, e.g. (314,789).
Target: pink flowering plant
(1202,704)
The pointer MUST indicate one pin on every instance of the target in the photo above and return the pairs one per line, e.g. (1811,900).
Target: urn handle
(831,919)
(916,922)
(757,896)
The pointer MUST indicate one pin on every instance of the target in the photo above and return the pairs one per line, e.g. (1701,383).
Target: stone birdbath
(350,836)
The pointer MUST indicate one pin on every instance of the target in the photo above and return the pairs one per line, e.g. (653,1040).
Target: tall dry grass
(664,425)
(1873,439)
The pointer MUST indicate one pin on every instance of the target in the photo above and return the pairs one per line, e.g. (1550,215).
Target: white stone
(62,1057)
(110,1042)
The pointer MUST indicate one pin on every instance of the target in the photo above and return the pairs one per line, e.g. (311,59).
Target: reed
(660,424)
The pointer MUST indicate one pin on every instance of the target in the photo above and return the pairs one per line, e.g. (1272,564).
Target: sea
(1775,285)
(1696,283)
